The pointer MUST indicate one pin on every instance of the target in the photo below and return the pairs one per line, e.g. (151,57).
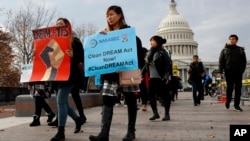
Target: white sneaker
(125,106)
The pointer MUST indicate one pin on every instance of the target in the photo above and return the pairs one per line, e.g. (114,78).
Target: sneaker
(125,106)
(238,108)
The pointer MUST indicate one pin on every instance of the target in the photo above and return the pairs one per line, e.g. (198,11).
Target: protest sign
(111,52)
(50,61)
(26,71)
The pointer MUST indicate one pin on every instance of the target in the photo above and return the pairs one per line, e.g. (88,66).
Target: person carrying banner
(65,87)
(116,21)
(75,92)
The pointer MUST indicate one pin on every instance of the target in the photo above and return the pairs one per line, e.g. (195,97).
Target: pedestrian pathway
(207,122)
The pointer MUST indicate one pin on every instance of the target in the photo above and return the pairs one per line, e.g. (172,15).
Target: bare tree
(84,30)
(29,17)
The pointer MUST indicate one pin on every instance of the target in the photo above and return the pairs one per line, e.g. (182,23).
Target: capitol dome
(175,29)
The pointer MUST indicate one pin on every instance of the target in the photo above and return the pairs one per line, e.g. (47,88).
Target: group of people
(232,63)
(156,63)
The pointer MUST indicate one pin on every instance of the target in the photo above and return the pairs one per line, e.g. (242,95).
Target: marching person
(197,73)
(39,91)
(116,21)
(143,85)
(232,62)
(65,87)
(160,70)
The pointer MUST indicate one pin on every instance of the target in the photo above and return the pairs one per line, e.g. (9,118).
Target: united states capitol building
(181,43)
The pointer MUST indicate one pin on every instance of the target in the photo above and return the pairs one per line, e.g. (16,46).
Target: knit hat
(159,40)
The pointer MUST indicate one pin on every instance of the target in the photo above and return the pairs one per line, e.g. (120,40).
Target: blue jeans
(63,106)
(197,86)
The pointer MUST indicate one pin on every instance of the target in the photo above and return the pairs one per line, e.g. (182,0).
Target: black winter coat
(232,58)
(76,62)
(162,62)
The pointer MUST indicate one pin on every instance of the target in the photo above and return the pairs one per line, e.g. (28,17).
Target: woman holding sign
(116,21)
(65,87)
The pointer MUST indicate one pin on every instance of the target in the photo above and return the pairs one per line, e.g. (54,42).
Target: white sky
(212,21)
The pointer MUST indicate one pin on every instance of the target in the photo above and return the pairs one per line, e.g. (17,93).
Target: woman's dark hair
(67,23)
(118,10)
(159,40)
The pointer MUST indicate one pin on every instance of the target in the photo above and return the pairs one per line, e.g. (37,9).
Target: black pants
(40,104)
(158,88)
(131,99)
(197,87)
(174,86)
(77,99)
(234,80)
(144,92)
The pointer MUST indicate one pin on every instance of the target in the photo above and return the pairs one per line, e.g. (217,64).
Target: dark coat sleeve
(163,64)
(139,53)
(76,67)
(222,61)
(244,61)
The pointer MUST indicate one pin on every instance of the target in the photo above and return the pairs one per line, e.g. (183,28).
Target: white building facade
(181,44)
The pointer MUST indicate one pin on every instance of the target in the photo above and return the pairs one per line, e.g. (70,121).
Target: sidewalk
(208,122)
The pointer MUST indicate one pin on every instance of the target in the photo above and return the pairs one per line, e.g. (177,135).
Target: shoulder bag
(130,78)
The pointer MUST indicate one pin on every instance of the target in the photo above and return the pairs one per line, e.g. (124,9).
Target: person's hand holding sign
(103,31)
(69,52)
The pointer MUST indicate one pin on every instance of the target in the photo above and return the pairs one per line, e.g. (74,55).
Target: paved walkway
(208,122)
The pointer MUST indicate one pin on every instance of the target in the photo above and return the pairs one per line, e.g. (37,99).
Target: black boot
(59,135)
(132,113)
(167,107)
(36,121)
(155,116)
(51,115)
(84,119)
(54,123)
(106,122)
(79,123)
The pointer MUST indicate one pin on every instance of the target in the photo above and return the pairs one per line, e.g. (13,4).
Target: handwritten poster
(50,61)
(26,71)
